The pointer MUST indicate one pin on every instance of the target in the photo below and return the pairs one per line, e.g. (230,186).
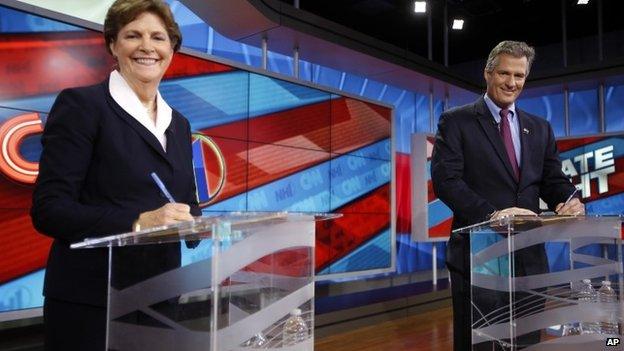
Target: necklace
(150,107)
(151,111)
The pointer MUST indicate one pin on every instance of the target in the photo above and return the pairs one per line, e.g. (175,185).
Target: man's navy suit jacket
(94,180)
(472,174)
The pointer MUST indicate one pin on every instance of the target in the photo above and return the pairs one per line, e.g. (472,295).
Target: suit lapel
(145,134)
(525,133)
(488,123)
(173,149)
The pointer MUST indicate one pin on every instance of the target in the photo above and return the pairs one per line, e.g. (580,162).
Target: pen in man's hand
(162,187)
(569,199)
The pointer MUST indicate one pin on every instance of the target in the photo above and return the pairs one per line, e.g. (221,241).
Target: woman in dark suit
(100,145)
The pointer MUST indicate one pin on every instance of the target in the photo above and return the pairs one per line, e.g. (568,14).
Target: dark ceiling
(538,22)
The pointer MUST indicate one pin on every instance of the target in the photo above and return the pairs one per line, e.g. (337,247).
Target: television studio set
(300,175)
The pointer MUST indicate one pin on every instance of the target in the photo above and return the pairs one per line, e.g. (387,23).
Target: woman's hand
(168,214)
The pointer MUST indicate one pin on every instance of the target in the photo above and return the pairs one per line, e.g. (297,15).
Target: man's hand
(574,207)
(168,214)
(515,211)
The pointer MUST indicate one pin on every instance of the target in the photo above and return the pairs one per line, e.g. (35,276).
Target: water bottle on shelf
(571,329)
(295,329)
(258,341)
(587,294)
(606,294)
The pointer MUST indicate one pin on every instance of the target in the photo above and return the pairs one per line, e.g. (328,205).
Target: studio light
(420,6)
(458,24)
(582,2)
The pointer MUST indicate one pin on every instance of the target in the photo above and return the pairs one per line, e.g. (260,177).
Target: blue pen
(162,187)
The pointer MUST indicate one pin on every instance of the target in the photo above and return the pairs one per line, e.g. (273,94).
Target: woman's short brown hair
(123,12)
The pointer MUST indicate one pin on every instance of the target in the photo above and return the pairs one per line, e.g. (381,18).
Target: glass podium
(242,278)
(546,283)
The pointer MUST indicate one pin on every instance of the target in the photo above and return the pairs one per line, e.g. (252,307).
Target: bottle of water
(295,329)
(588,294)
(606,294)
(259,341)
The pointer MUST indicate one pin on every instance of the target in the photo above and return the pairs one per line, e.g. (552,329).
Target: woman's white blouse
(129,101)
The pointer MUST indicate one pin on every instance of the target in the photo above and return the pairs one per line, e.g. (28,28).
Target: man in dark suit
(491,160)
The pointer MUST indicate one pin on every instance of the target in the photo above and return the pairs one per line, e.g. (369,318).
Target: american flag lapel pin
(525,131)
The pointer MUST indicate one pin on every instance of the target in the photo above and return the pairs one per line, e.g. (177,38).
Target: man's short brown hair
(123,12)
(516,49)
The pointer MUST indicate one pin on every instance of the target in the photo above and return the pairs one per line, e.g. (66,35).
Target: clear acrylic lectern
(546,283)
(241,277)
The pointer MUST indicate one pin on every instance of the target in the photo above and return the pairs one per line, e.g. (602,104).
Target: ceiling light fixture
(458,24)
(420,6)
(582,2)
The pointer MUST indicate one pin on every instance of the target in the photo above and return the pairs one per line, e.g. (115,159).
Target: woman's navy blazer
(94,180)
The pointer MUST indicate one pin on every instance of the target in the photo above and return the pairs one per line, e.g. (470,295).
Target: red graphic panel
(75,58)
(44,63)
(235,155)
(569,144)
(268,162)
(234,130)
(303,127)
(356,124)
(184,66)
(14,195)
(12,134)
(403,193)
(290,263)
(615,183)
(23,249)
(441,230)
(339,237)
(595,166)
(283,143)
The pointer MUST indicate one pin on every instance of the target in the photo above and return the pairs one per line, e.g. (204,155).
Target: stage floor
(432,330)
